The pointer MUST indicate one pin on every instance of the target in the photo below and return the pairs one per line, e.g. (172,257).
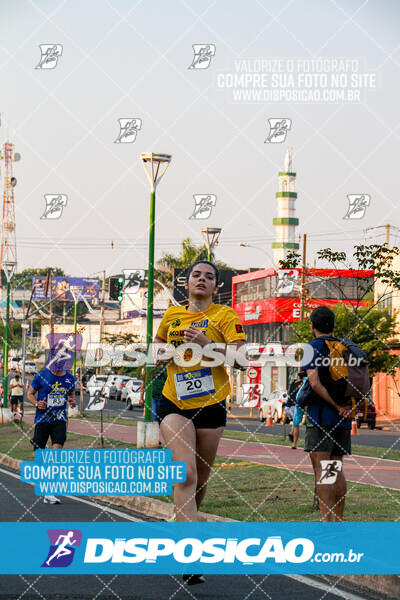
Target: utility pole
(76,301)
(303,278)
(51,309)
(102,306)
(387,228)
(48,291)
(8,253)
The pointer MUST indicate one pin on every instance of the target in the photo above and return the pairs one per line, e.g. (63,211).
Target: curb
(156,509)
(386,584)
(148,507)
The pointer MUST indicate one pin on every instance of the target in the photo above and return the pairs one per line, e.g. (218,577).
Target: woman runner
(192,412)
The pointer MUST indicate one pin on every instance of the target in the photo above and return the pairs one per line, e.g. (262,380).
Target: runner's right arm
(33,388)
(320,389)
(32,399)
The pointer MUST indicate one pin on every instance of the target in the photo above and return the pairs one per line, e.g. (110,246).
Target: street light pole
(303,279)
(75,328)
(210,237)
(8,268)
(5,361)
(76,301)
(151,163)
(24,327)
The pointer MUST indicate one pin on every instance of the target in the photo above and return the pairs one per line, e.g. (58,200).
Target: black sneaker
(290,436)
(193,579)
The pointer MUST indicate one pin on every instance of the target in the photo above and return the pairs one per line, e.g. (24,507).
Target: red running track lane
(361,469)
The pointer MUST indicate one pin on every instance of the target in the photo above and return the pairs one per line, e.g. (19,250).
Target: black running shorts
(328,438)
(16,399)
(57,431)
(207,417)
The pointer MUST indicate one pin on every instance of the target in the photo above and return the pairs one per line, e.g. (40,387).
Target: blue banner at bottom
(218,548)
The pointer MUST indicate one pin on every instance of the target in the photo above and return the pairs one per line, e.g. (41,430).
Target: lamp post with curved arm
(155,166)
(245,245)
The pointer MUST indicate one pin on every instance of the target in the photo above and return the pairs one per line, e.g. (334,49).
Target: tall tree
(373,331)
(377,258)
(362,320)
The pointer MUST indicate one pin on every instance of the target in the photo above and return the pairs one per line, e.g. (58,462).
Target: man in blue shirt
(54,388)
(328,428)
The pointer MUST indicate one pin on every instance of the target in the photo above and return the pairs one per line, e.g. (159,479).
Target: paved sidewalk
(361,469)
(240,412)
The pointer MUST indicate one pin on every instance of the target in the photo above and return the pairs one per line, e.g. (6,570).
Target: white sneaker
(51,500)
(172,519)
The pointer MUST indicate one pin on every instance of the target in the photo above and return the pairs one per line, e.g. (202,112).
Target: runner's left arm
(161,339)
(71,398)
(234,334)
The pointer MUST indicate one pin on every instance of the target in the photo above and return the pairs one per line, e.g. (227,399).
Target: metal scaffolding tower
(8,239)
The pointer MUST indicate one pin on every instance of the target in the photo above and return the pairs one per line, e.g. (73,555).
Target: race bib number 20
(194,384)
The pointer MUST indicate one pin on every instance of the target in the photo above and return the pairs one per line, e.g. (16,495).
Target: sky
(130,60)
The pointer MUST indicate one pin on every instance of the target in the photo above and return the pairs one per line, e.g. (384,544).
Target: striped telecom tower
(8,253)
(285,223)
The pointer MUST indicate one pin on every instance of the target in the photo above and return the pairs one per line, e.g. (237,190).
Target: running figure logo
(133,279)
(203,205)
(62,347)
(203,54)
(278,129)
(50,53)
(357,205)
(288,280)
(251,394)
(55,204)
(63,543)
(128,129)
(330,471)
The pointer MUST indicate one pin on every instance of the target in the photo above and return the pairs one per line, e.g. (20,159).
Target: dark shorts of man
(207,417)
(16,400)
(332,439)
(57,431)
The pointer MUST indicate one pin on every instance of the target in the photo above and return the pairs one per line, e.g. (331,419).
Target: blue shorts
(154,408)
(298,416)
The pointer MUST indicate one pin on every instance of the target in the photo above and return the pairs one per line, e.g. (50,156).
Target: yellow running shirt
(219,323)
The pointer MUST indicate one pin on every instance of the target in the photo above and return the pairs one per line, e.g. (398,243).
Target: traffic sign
(252,373)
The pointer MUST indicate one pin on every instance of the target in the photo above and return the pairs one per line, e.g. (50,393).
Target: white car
(30,367)
(96,384)
(131,393)
(108,385)
(14,363)
(119,385)
(276,401)
(114,385)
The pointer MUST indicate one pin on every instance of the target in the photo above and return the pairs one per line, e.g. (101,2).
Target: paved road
(240,421)
(365,437)
(17,502)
